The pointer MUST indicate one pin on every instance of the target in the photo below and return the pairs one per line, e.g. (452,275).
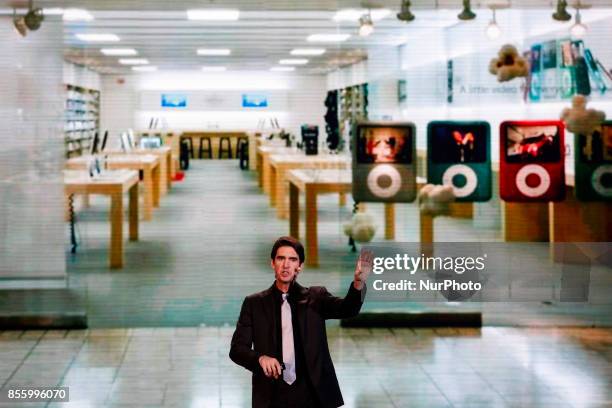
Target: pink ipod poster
(532,161)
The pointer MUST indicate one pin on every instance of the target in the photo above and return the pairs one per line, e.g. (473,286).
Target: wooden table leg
(259,169)
(389,221)
(294,211)
(272,185)
(281,193)
(312,246)
(342,199)
(134,213)
(164,170)
(172,171)
(156,186)
(426,234)
(116,236)
(265,173)
(148,198)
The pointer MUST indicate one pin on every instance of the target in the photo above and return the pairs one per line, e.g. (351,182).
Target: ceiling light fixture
(493,31)
(366,26)
(467,13)
(561,14)
(282,69)
(308,51)
(19,24)
(133,61)
(328,38)
(147,68)
(213,14)
(33,18)
(579,30)
(119,52)
(74,14)
(294,61)
(405,14)
(98,37)
(214,51)
(53,11)
(213,68)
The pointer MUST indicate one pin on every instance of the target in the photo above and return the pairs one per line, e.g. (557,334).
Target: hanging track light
(405,14)
(467,13)
(366,26)
(579,30)
(561,14)
(493,31)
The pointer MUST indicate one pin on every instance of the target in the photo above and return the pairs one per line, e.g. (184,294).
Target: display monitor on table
(104,140)
(94,144)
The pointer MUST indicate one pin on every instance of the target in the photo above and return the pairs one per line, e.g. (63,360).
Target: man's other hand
(363,268)
(270,366)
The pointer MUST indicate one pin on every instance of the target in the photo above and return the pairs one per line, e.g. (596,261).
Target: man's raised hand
(363,268)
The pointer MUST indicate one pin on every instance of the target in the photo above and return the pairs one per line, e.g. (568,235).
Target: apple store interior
(152,152)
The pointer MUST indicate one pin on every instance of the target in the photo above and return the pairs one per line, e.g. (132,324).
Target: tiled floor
(189,367)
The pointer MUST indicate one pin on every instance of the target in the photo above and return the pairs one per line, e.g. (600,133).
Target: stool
(244,154)
(189,141)
(208,149)
(228,149)
(239,141)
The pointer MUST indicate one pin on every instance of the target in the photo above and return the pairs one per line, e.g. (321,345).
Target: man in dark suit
(281,338)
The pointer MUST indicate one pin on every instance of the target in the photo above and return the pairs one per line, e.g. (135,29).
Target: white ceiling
(266,32)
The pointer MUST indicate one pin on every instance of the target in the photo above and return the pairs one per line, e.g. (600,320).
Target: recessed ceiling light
(294,61)
(328,37)
(213,68)
(355,14)
(213,14)
(74,14)
(214,51)
(308,51)
(98,37)
(148,68)
(119,51)
(133,61)
(282,69)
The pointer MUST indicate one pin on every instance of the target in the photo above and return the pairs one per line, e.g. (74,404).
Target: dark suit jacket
(255,336)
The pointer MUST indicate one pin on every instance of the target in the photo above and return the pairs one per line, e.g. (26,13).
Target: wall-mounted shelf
(82,119)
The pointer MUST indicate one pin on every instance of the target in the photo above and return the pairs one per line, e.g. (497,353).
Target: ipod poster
(593,165)
(384,168)
(459,155)
(532,161)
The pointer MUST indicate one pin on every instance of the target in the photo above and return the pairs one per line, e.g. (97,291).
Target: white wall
(213,100)
(31,153)
(80,76)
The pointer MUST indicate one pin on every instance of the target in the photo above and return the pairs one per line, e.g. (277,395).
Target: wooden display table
(148,164)
(114,184)
(281,164)
(165,165)
(262,163)
(312,183)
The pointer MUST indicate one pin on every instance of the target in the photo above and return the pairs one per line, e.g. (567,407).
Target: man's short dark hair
(290,242)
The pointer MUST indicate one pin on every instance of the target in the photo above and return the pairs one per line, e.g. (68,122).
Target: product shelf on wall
(81,119)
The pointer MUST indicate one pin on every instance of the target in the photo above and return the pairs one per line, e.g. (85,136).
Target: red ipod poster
(532,161)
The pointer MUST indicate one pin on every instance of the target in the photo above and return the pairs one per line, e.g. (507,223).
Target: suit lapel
(301,294)
(268,302)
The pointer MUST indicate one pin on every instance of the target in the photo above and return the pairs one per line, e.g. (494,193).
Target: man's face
(286,264)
